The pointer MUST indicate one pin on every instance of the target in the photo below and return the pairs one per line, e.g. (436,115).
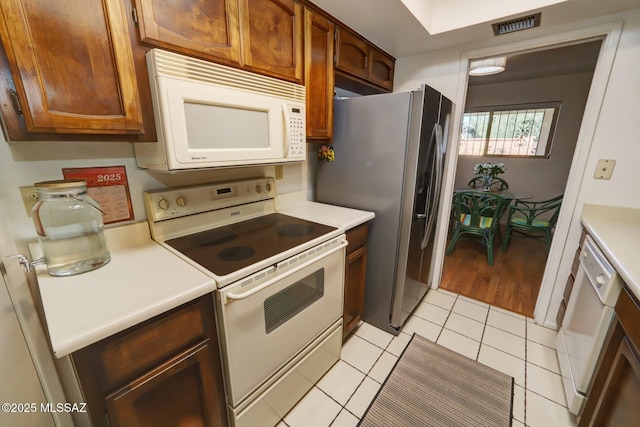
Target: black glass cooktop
(232,247)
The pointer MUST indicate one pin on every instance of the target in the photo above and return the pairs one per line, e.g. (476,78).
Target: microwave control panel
(296,131)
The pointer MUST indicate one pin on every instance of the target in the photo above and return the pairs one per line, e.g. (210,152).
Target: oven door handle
(227,298)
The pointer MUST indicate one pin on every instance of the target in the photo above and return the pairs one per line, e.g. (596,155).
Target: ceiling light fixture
(486,67)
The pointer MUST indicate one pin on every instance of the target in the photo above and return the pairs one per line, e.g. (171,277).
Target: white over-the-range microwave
(209,115)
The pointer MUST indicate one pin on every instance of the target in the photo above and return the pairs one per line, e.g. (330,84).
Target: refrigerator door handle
(431,219)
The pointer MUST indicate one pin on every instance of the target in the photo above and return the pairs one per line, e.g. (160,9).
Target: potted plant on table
(488,171)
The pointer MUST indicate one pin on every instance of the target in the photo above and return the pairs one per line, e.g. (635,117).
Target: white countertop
(616,230)
(337,216)
(142,280)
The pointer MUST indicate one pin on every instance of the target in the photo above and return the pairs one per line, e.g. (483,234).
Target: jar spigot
(26,263)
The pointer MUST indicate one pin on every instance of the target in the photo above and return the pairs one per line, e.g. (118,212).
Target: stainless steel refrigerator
(389,152)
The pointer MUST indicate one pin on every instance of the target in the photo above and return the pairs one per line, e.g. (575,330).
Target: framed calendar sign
(109,187)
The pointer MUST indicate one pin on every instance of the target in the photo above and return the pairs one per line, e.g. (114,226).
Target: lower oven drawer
(267,405)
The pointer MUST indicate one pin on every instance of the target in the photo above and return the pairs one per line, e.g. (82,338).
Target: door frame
(610,35)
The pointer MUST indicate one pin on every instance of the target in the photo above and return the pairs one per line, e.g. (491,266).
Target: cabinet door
(613,395)
(618,403)
(205,28)
(381,69)
(352,54)
(72,65)
(181,391)
(354,284)
(319,78)
(272,32)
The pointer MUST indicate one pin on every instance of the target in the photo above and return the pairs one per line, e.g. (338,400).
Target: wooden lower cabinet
(614,396)
(153,399)
(165,371)
(570,281)
(354,278)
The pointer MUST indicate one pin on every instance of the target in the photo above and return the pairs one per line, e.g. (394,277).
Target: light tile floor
(503,340)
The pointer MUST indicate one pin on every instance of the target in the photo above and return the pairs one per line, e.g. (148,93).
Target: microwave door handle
(229,297)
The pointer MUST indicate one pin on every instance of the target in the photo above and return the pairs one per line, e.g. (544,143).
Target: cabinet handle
(134,14)
(366,62)
(16,102)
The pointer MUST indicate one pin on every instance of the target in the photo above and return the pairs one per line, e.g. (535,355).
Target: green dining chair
(532,219)
(497,184)
(477,215)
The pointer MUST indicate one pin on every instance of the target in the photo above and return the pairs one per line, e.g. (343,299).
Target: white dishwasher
(586,321)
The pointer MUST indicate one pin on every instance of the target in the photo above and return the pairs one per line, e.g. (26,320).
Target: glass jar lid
(62,184)
(61,188)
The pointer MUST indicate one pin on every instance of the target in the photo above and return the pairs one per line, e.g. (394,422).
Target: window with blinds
(513,131)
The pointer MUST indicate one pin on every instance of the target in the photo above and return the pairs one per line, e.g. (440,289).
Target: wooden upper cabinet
(272,33)
(360,66)
(319,77)
(382,67)
(206,28)
(352,54)
(72,68)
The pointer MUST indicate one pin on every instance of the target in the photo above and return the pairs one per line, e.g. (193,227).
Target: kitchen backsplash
(24,163)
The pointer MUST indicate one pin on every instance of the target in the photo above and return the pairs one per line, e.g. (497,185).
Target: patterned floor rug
(434,386)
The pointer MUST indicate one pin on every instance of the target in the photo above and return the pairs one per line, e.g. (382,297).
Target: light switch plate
(604,169)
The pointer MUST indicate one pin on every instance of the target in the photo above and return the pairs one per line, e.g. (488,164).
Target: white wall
(617,126)
(542,178)
(24,163)
(617,133)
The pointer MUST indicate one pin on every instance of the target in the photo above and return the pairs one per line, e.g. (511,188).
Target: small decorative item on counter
(488,172)
(326,154)
(70,228)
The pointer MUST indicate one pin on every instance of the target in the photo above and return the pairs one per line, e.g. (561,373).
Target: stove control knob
(181,201)
(164,204)
(258,188)
(268,187)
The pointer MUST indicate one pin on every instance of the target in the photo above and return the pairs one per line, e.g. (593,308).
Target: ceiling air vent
(517,24)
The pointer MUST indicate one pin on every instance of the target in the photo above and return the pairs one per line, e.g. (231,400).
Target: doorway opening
(558,75)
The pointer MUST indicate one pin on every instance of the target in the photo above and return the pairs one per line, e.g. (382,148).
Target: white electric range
(279,295)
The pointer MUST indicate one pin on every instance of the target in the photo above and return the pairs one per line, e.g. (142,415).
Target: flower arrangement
(488,169)
(326,154)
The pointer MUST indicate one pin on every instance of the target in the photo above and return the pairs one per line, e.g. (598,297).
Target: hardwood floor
(511,283)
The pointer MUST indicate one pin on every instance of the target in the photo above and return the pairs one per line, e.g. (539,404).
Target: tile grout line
(484,328)
(447,319)
(366,375)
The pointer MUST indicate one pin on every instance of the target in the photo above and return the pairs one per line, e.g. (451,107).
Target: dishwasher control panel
(600,272)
